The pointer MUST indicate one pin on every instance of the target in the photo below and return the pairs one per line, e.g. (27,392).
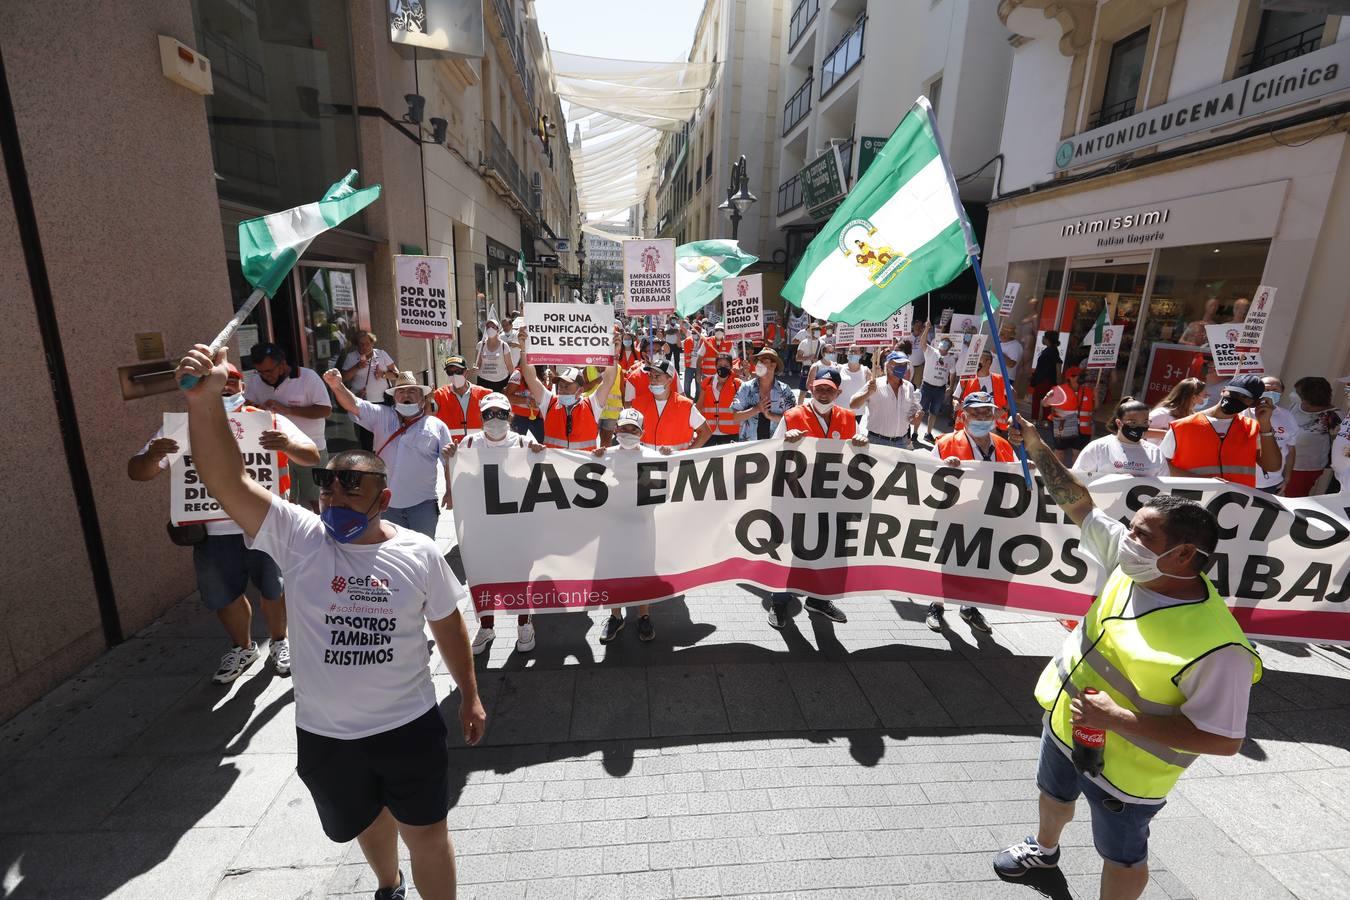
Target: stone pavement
(872,759)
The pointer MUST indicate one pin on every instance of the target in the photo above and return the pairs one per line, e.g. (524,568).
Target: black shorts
(404,769)
(1072,441)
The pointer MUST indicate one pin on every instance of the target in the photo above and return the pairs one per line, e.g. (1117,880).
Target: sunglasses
(453,372)
(350,479)
(490,414)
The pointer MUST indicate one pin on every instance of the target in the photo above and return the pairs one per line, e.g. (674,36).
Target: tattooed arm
(1059,482)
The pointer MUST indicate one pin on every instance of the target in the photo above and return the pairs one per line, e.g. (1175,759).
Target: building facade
(1164,159)
(121,252)
(850,71)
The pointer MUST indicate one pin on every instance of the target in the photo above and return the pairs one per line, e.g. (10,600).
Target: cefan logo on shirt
(339,584)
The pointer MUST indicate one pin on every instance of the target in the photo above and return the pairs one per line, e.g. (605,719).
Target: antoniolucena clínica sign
(1302,78)
(823,182)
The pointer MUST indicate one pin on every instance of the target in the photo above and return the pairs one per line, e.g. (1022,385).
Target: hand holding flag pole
(270,246)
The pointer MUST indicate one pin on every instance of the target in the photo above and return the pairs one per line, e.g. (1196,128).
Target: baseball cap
(977,399)
(1250,386)
(896,357)
(566,373)
(630,416)
(663,366)
(827,376)
(267,350)
(495,400)
(455,361)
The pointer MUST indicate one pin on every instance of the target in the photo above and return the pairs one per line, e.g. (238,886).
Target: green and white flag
(1098,328)
(900,233)
(269,246)
(700,267)
(522,277)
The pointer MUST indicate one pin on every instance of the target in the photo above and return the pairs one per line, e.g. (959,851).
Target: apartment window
(1123,75)
(1282,36)
(707,165)
(935,92)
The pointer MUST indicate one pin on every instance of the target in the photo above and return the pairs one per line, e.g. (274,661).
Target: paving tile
(300,884)
(122,714)
(188,792)
(532,707)
(898,696)
(1209,863)
(685,700)
(1308,876)
(1268,813)
(289,834)
(969,698)
(610,703)
(828,697)
(251,714)
(759,698)
(66,794)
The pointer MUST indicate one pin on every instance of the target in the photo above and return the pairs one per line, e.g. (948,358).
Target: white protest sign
(1223,341)
(873,334)
(946,319)
(970,357)
(902,324)
(649,276)
(245,339)
(422,285)
(1254,326)
(340,284)
(1040,345)
(1105,351)
(964,323)
(845,335)
(569,334)
(743,300)
(189,500)
(799,518)
(1010,292)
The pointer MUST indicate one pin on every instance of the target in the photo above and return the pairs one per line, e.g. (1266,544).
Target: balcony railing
(796,108)
(499,158)
(843,58)
(1263,57)
(233,66)
(802,16)
(1113,113)
(790,194)
(515,41)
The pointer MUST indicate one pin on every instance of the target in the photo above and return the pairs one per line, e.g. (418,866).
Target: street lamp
(739,198)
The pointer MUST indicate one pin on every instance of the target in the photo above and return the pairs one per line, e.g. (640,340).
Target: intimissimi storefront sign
(1302,78)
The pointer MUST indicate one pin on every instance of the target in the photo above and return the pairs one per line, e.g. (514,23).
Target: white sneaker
(481,640)
(525,638)
(280,654)
(235,663)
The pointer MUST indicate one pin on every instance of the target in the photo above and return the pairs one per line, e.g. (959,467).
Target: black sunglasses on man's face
(350,479)
(490,414)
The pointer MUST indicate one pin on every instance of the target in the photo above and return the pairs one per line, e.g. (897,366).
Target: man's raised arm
(1064,489)
(214,449)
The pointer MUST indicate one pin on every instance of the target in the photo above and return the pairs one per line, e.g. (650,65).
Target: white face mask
(233,402)
(491,332)
(628,441)
(407,409)
(458,381)
(827,358)
(567,399)
(854,358)
(1139,563)
(495,429)
(659,390)
(761,369)
(822,408)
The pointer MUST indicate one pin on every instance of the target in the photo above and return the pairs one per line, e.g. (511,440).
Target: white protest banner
(1009,299)
(572,334)
(1105,351)
(964,323)
(1040,345)
(649,276)
(743,300)
(902,324)
(830,520)
(340,289)
(1223,341)
(425,308)
(946,319)
(845,335)
(969,364)
(189,500)
(1254,326)
(873,334)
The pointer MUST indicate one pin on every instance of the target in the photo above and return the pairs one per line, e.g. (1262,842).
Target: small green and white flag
(269,246)
(522,277)
(700,267)
(900,233)
(1098,328)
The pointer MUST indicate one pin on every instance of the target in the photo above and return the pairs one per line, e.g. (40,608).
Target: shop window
(1123,74)
(1282,36)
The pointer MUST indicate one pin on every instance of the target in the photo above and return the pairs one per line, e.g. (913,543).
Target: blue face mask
(980,427)
(346,525)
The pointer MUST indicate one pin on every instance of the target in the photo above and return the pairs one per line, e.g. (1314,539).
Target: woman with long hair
(1124,451)
(1183,400)
(1318,422)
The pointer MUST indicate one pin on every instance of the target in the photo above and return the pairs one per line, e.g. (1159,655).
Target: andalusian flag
(900,233)
(522,277)
(269,246)
(1098,328)
(699,269)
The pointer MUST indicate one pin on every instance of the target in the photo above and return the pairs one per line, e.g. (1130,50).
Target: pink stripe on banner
(546,595)
(1294,624)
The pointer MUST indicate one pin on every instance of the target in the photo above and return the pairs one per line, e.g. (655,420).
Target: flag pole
(973,253)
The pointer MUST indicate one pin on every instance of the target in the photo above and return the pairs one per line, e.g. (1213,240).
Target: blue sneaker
(1017,859)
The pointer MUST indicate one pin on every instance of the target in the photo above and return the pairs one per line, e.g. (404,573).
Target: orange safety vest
(520,398)
(669,427)
(708,365)
(452,414)
(1084,400)
(770,334)
(688,350)
(717,408)
(575,431)
(958,444)
(971,385)
(843,422)
(1202,451)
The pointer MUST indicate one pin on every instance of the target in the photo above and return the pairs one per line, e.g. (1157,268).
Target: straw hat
(404,380)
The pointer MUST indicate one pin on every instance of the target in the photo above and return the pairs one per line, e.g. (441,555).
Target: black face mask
(1133,432)
(723,371)
(1232,405)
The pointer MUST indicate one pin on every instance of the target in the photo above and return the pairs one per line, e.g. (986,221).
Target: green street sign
(868,148)
(823,183)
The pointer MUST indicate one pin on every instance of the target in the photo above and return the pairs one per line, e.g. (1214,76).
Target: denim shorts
(418,517)
(932,397)
(225,566)
(1119,829)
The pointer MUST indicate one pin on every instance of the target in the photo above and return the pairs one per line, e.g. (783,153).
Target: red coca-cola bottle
(1089,746)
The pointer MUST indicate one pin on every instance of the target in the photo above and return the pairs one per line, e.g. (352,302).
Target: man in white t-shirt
(1012,349)
(1285,426)
(298,394)
(371,743)
(410,443)
(938,361)
(1165,693)
(367,370)
(223,565)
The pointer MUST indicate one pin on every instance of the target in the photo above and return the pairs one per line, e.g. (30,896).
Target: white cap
(630,416)
(495,400)
(567,373)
